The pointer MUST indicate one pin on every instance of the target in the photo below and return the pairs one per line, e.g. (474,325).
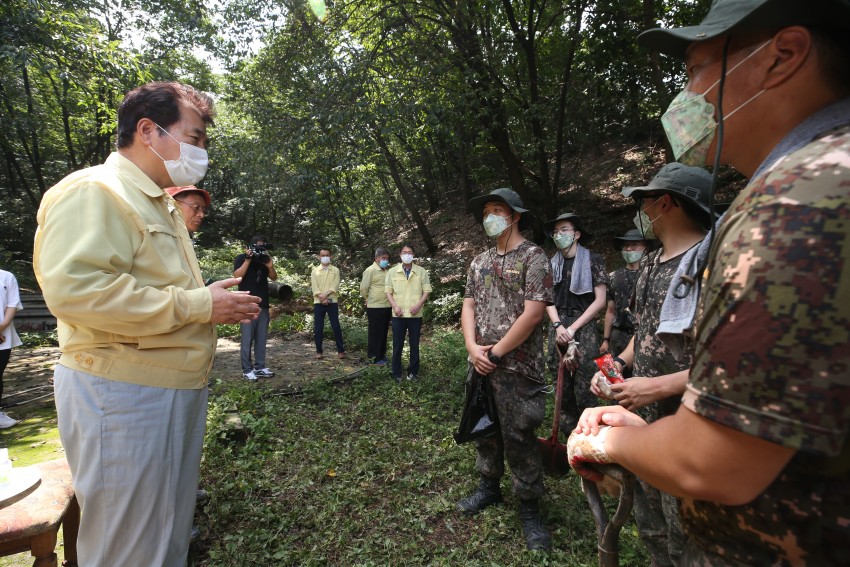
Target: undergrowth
(367,473)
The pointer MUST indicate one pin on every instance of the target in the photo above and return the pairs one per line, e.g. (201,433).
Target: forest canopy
(337,119)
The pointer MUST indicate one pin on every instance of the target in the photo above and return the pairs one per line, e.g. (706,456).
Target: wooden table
(31,520)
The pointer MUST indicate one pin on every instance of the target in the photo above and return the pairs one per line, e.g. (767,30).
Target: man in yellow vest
(407,287)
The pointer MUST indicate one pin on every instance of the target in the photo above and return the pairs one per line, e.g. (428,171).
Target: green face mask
(564,241)
(632,256)
(689,121)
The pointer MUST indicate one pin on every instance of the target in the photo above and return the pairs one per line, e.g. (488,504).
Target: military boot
(488,493)
(536,535)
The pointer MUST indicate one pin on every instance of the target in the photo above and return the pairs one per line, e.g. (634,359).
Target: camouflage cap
(174,191)
(727,16)
(503,194)
(585,238)
(690,183)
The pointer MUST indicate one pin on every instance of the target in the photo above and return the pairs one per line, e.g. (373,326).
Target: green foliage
(288,323)
(445,309)
(355,332)
(367,473)
(350,301)
(39,339)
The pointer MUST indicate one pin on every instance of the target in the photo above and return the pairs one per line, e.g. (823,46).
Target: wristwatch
(493,357)
(620,360)
(556,324)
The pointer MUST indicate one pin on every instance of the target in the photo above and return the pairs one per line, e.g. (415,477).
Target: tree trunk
(392,164)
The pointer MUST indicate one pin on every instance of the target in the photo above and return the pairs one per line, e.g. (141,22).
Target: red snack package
(608,368)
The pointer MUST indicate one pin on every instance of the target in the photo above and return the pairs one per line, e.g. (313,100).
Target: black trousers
(379,325)
(5,354)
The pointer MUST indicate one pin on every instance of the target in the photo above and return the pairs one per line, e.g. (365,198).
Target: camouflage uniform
(499,286)
(577,394)
(621,287)
(656,512)
(772,360)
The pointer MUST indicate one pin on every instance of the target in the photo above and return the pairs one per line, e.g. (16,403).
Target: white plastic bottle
(5,468)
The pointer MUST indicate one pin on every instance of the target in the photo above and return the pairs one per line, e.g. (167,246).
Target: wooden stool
(32,523)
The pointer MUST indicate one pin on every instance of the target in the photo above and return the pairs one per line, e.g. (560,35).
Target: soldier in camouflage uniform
(759,448)
(619,320)
(507,290)
(580,284)
(674,208)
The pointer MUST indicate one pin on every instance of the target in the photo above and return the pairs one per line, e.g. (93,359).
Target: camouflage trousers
(658,524)
(521,404)
(577,394)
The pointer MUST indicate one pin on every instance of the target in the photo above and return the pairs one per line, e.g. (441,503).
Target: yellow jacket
(118,270)
(373,285)
(325,281)
(407,292)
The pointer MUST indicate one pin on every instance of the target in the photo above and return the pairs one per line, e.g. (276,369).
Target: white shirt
(9,297)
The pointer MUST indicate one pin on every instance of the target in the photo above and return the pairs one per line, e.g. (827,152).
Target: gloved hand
(583,449)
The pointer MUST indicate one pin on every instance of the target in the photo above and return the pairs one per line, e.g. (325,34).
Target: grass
(367,474)
(360,473)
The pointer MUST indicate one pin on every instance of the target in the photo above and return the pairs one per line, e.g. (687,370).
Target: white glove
(583,449)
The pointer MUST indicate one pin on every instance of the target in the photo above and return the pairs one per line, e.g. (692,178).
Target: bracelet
(606,339)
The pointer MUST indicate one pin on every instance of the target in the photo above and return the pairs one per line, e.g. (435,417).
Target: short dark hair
(381,251)
(258,237)
(159,101)
(406,245)
(833,48)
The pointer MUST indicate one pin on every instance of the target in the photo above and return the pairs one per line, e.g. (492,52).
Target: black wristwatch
(620,360)
(493,357)
(556,324)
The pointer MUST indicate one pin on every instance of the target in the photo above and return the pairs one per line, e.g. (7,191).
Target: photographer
(256,268)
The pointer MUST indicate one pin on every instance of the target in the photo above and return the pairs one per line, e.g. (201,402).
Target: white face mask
(407,258)
(325,260)
(190,167)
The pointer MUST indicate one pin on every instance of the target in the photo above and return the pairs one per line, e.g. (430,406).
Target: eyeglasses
(563,231)
(195,208)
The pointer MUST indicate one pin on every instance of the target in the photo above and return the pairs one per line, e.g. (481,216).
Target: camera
(258,252)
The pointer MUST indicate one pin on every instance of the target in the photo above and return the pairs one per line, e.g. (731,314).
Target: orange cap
(174,191)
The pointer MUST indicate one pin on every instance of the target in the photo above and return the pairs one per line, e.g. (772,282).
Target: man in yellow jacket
(407,288)
(136,329)
(378,310)
(324,279)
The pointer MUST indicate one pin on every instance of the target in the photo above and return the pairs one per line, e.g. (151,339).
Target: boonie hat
(503,194)
(726,16)
(632,235)
(174,191)
(690,183)
(585,237)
